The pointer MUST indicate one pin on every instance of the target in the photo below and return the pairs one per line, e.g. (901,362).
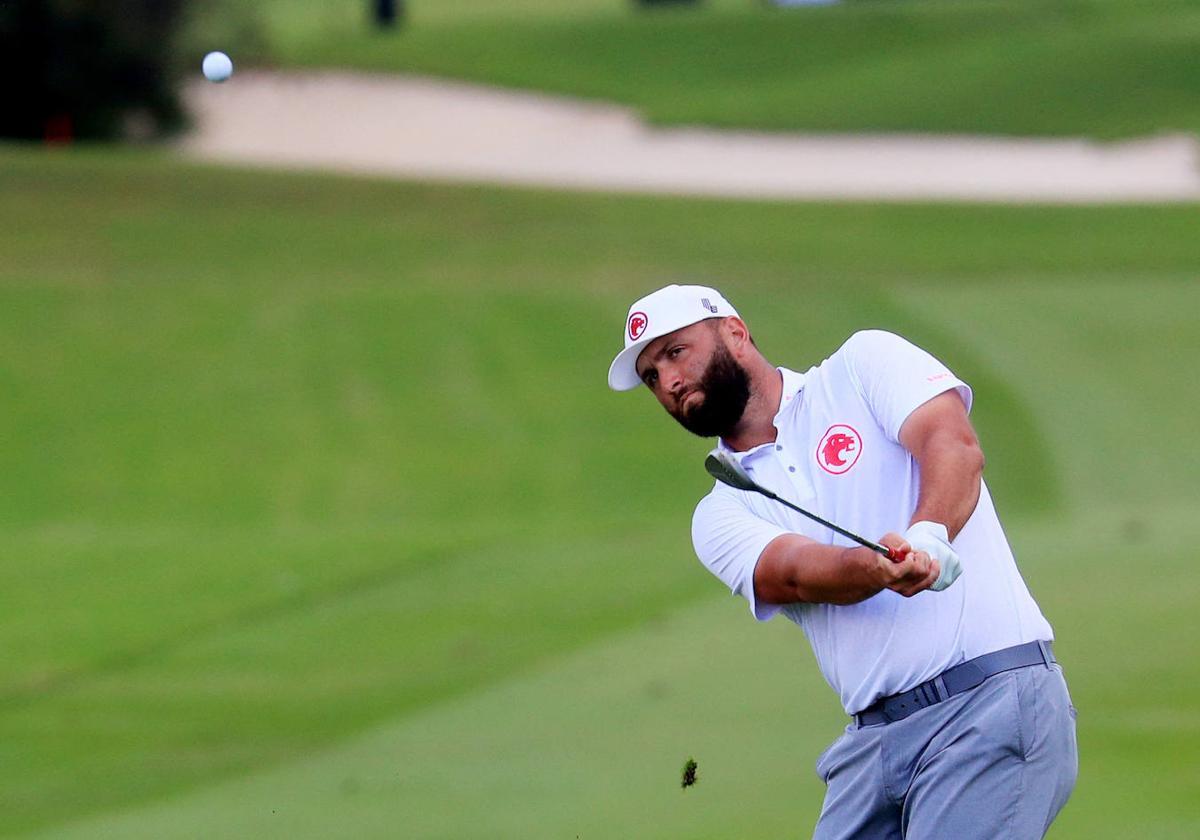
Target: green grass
(1102,68)
(318,519)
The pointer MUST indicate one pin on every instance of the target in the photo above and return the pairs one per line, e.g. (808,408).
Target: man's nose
(673,378)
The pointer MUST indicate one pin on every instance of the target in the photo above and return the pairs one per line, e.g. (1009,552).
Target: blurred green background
(317,518)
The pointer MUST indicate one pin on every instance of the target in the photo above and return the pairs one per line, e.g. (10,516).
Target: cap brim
(622,373)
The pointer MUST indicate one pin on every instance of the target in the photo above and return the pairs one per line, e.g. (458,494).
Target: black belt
(954,681)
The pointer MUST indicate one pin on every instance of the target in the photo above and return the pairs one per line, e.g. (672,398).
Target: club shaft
(874,546)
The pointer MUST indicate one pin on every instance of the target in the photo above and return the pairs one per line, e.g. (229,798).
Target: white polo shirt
(838,455)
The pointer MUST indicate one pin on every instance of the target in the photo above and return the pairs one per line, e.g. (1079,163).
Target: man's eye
(650,378)
(674,351)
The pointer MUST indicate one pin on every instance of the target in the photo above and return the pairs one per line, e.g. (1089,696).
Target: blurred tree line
(109,69)
(89,68)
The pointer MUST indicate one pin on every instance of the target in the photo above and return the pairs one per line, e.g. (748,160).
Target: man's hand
(915,572)
(931,537)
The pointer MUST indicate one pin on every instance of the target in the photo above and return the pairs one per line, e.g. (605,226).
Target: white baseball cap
(658,313)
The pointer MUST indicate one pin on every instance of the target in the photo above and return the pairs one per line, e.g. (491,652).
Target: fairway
(318,518)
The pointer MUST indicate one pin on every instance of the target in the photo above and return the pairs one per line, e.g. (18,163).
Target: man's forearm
(794,569)
(951,473)
(941,440)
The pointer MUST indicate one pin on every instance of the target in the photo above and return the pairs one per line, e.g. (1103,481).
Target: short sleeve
(729,539)
(896,377)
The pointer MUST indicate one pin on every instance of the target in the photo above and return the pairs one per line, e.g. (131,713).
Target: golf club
(726,469)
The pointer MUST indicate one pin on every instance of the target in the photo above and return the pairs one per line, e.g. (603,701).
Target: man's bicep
(945,415)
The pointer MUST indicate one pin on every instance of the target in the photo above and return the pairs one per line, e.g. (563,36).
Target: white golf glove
(931,537)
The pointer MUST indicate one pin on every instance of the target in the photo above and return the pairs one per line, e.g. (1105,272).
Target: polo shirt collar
(793,384)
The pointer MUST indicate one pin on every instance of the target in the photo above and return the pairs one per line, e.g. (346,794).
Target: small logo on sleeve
(839,449)
(637,325)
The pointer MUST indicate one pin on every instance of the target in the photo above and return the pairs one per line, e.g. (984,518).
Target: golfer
(962,726)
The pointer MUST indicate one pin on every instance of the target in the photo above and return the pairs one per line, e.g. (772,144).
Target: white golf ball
(217,67)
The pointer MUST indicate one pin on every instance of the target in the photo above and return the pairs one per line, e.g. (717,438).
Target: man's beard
(726,389)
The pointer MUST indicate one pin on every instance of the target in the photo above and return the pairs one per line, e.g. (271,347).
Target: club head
(724,468)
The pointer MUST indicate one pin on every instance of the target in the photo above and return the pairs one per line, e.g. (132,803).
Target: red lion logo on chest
(839,449)
(834,446)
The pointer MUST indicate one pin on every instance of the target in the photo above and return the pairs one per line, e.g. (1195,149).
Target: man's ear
(737,334)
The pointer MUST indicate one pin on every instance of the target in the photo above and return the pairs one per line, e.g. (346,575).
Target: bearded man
(961,723)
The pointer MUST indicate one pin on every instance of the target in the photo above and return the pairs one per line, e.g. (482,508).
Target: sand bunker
(431,129)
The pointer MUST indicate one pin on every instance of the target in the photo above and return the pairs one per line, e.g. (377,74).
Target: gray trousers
(998,761)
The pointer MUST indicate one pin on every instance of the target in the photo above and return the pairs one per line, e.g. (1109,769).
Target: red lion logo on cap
(839,449)
(637,324)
